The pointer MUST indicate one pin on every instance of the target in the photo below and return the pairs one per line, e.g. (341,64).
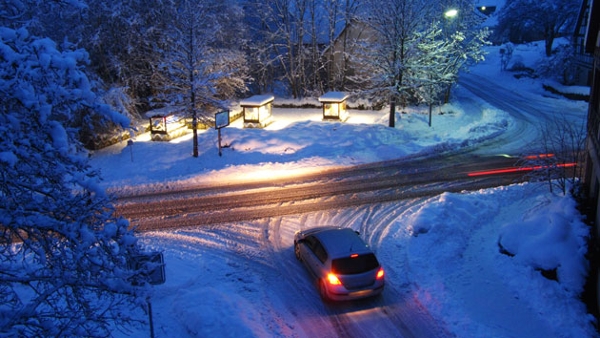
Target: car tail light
(333,280)
(380,274)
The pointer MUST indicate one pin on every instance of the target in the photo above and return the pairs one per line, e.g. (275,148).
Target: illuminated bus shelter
(257,111)
(334,106)
(167,123)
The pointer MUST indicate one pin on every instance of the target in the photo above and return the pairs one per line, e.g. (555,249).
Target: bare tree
(290,33)
(340,15)
(562,161)
(290,37)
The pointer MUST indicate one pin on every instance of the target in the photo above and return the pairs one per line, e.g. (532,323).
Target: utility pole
(392,121)
(193,92)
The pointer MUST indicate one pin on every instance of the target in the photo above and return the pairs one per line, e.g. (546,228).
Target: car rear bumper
(339,295)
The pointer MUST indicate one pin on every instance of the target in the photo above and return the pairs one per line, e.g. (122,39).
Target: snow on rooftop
(257,100)
(165,111)
(333,97)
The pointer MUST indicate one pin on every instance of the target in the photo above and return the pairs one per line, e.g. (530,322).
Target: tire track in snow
(298,298)
(395,313)
(396,309)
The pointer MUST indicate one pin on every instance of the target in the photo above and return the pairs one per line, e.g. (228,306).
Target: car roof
(340,242)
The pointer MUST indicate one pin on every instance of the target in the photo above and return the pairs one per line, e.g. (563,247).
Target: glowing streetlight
(450,13)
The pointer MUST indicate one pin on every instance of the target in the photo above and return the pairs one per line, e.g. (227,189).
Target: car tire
(297,251)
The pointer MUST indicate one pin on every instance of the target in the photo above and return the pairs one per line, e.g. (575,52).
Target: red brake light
(353,255)
(333,280)
(380,274)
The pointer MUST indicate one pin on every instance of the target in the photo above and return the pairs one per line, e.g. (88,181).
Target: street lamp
(451,13)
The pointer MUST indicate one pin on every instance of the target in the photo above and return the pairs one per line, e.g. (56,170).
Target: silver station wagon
(342,263)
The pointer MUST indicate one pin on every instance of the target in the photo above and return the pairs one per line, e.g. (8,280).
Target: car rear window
(354,265)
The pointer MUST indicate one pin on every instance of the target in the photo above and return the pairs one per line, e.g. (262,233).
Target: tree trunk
(195,128)
(549,40)
(430,112)
(447,93)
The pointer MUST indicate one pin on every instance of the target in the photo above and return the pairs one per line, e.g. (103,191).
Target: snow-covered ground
(442,253)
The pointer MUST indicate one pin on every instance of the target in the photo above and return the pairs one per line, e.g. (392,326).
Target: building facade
(592,176)
(592,47)
(583,60)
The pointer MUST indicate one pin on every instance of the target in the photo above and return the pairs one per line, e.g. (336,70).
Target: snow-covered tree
(441,57)
(383,55)
(63,253)
(70,24)
(560,65)
(430,74)
(548,19)
(416,49)
(39,15)
(125,39)
(198,71)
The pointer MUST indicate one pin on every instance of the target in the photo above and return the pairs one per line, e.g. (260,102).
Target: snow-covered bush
(559,66)
(547,241)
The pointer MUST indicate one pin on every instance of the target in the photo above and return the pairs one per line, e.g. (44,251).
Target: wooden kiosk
(334,106)
(167,123)
(257,111)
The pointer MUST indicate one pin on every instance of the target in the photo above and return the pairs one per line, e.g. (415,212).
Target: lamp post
(450,14)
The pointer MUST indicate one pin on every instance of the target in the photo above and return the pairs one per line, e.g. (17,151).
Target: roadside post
(130,145)
(221,121)
(154,263)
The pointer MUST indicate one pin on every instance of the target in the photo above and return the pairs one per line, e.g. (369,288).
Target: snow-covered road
(376,183)
(532,113)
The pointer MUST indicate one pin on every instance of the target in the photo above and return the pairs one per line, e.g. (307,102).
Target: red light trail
(516,170)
